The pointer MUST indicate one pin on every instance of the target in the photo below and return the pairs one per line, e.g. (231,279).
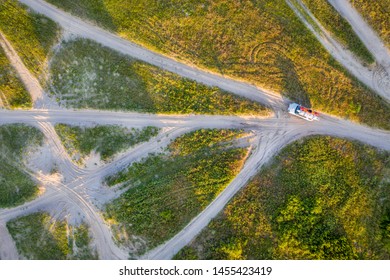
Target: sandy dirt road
(85,190)
(375,79)
(86,30)
(8,249)
(363,30)
(80,196)
(328,124)
(371,40)
(81,190)
(35,117)
(267,145)
(270,142)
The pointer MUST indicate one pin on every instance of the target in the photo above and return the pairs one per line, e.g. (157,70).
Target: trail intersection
(80,192)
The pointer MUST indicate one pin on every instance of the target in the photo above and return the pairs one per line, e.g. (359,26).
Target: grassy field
(32,35)
(321,198)
(39,237)
(260,41)
(376,12)
(16,186)
(87,75)
(167,190)
(12,91)
(339,27)
(103,139)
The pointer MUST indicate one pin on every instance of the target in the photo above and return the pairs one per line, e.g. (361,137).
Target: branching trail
(67,167)
(373,79)
(86,30)
(261,153)
(8,249)
(140,151)
(83,192)
(269,143)
(86,192)
(363,30)
(371,40)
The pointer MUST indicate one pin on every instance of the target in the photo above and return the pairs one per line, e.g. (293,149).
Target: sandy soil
(269,142)
(376,79)
(8,249)
(371,40)
(83,192)
(364,31)
(86,30)
(78,193)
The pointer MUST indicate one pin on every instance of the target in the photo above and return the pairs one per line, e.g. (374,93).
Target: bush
(167,191)
(16,184)
(31,34)
(376,12)
(259,41)
(86,75)
(107,140)
(12,92)
(39,237)
(321,198)
(340,28)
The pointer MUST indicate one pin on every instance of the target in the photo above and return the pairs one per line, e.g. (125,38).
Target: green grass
(31,34)
(16,186)
(167,190)
(39,237)
(12,92)
(339,27)
(260,41)
(106,140)
(321,198)
(86,75)
(376,12)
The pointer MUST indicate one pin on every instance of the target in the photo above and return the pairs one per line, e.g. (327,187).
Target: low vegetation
(376,12)
(321,198)
(339,27)
(85,74)
(12,92)
(31,34)
(39,237)
(260,41)
(167,190)
(106,140)
(16,186)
